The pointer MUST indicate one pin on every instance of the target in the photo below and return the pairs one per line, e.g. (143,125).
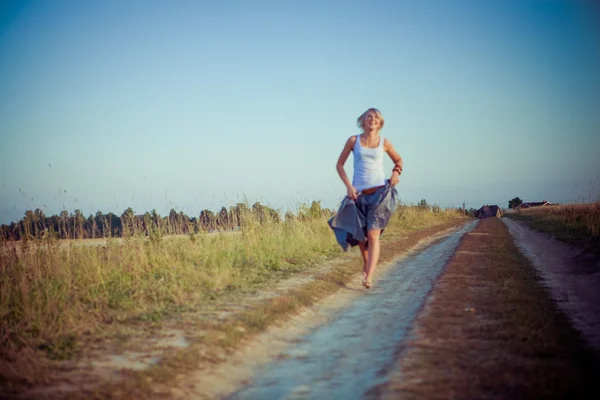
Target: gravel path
(352,352)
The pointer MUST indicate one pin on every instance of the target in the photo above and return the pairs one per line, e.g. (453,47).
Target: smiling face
(371,120)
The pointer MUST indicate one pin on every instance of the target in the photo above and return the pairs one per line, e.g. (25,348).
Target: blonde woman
(371,198)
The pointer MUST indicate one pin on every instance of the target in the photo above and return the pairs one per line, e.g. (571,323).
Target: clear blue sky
(194,105)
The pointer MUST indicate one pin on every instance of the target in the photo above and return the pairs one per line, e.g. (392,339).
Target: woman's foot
(367,283)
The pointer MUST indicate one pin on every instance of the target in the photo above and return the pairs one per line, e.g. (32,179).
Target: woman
(371,199)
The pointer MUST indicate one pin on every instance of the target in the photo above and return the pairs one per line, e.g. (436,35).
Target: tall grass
(583,218)
(572,223)
(50,295)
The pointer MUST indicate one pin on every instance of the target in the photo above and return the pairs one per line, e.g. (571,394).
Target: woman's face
(372,121)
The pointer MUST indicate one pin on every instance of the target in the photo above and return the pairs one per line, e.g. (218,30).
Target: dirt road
(572,277)
(372,347)
(349,354)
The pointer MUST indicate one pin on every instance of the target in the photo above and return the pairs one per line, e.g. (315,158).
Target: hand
(395,178)
(352,193)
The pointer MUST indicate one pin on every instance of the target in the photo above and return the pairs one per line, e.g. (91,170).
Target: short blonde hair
(360,121)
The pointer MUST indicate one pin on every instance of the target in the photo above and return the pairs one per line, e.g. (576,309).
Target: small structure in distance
(531,204)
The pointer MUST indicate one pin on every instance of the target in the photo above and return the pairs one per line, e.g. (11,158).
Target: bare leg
(365,254)
(373,254)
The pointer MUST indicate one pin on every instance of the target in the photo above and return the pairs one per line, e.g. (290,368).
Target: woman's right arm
(351,191)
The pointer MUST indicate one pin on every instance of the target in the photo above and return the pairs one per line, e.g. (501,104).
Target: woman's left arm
(397,170)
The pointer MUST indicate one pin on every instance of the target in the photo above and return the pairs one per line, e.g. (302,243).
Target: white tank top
(368,166)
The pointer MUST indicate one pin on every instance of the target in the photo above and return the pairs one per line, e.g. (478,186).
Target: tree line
(36,225)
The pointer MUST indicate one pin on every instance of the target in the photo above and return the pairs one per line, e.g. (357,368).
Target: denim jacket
(354,217)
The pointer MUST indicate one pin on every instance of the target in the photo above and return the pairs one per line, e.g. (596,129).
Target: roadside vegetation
(576,224)
(51,296)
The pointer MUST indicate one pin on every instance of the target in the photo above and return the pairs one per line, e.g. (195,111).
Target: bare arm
(389,149)
(340,167)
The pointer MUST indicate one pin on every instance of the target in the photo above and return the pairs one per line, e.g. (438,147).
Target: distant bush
(423,205)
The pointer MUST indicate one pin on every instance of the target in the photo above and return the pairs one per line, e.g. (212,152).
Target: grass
(219,339)
(577,224)
(52,296)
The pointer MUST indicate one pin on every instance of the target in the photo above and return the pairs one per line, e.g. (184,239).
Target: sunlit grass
(572,223)
(50,294)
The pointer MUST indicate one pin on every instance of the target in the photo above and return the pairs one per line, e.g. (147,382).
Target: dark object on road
(489,211)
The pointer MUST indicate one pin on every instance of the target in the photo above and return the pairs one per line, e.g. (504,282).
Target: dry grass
(218,340)
(577,224)
(48,293)
(51,297)
(492,331)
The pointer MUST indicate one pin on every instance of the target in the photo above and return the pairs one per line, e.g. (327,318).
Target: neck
(370,132)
